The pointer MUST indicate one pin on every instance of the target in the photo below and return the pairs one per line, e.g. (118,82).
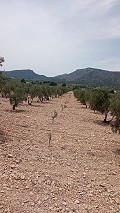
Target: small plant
(62,107)
(54,116)
(49,137)
(65,106)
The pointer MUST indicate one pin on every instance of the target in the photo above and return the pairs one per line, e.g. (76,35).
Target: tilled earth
(78,172)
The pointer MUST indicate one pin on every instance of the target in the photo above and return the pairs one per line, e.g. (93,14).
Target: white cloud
(58,36)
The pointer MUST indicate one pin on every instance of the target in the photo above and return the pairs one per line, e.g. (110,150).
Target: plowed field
(78,172)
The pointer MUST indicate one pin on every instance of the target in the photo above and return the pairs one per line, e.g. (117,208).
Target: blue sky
(59,36)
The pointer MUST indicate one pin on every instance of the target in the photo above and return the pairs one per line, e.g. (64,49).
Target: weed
(49,137)
(65,106)
(62,107)
(54,116)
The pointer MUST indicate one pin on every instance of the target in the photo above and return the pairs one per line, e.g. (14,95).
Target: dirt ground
(79,172)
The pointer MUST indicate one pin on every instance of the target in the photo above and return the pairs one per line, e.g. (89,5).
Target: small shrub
(54,116)
(49,138)
(65,106)
(62,107)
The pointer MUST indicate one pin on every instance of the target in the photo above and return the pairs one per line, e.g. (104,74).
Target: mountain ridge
(87,75)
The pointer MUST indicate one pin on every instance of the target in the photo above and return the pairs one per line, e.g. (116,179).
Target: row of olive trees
(19,91)
(103,101)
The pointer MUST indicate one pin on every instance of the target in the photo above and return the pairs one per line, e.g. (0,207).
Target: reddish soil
(80,170)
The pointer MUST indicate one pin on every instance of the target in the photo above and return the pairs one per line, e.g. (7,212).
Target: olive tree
(17,96)
(82,95)
(100,101)
(115,111)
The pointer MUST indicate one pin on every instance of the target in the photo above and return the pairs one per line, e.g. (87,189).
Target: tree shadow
(22,125)
(15,111)
(102,123)
(46,102)
(117,151)
(36,105)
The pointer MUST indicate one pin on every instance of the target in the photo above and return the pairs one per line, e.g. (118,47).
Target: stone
(10,156)
(77,202)
(22,177)
(64,203)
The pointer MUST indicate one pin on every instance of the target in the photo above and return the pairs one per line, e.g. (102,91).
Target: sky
(53,37)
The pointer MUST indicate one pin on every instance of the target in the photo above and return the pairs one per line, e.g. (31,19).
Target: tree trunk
(13,106)
(41,99)
(28,101)
(105,119)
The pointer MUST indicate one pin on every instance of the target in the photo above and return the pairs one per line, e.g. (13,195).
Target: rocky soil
(78,171)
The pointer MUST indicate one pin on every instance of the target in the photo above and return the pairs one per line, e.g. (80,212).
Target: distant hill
(26,74)
(91,76)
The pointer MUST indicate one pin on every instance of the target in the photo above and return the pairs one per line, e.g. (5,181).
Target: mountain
(26,74)
(89,75)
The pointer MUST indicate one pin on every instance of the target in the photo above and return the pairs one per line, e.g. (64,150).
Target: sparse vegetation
(49,138)
(54,116)
(115,112)
(46,153)
(98,99)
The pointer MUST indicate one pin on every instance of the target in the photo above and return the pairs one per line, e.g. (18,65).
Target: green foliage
(115,111)
(59,91)
(1,81)
(64,85)
(100,100)
(17,96)
(19,90)
(53,83)
(82,95)
(54,116)
(23,80)
(115,105)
